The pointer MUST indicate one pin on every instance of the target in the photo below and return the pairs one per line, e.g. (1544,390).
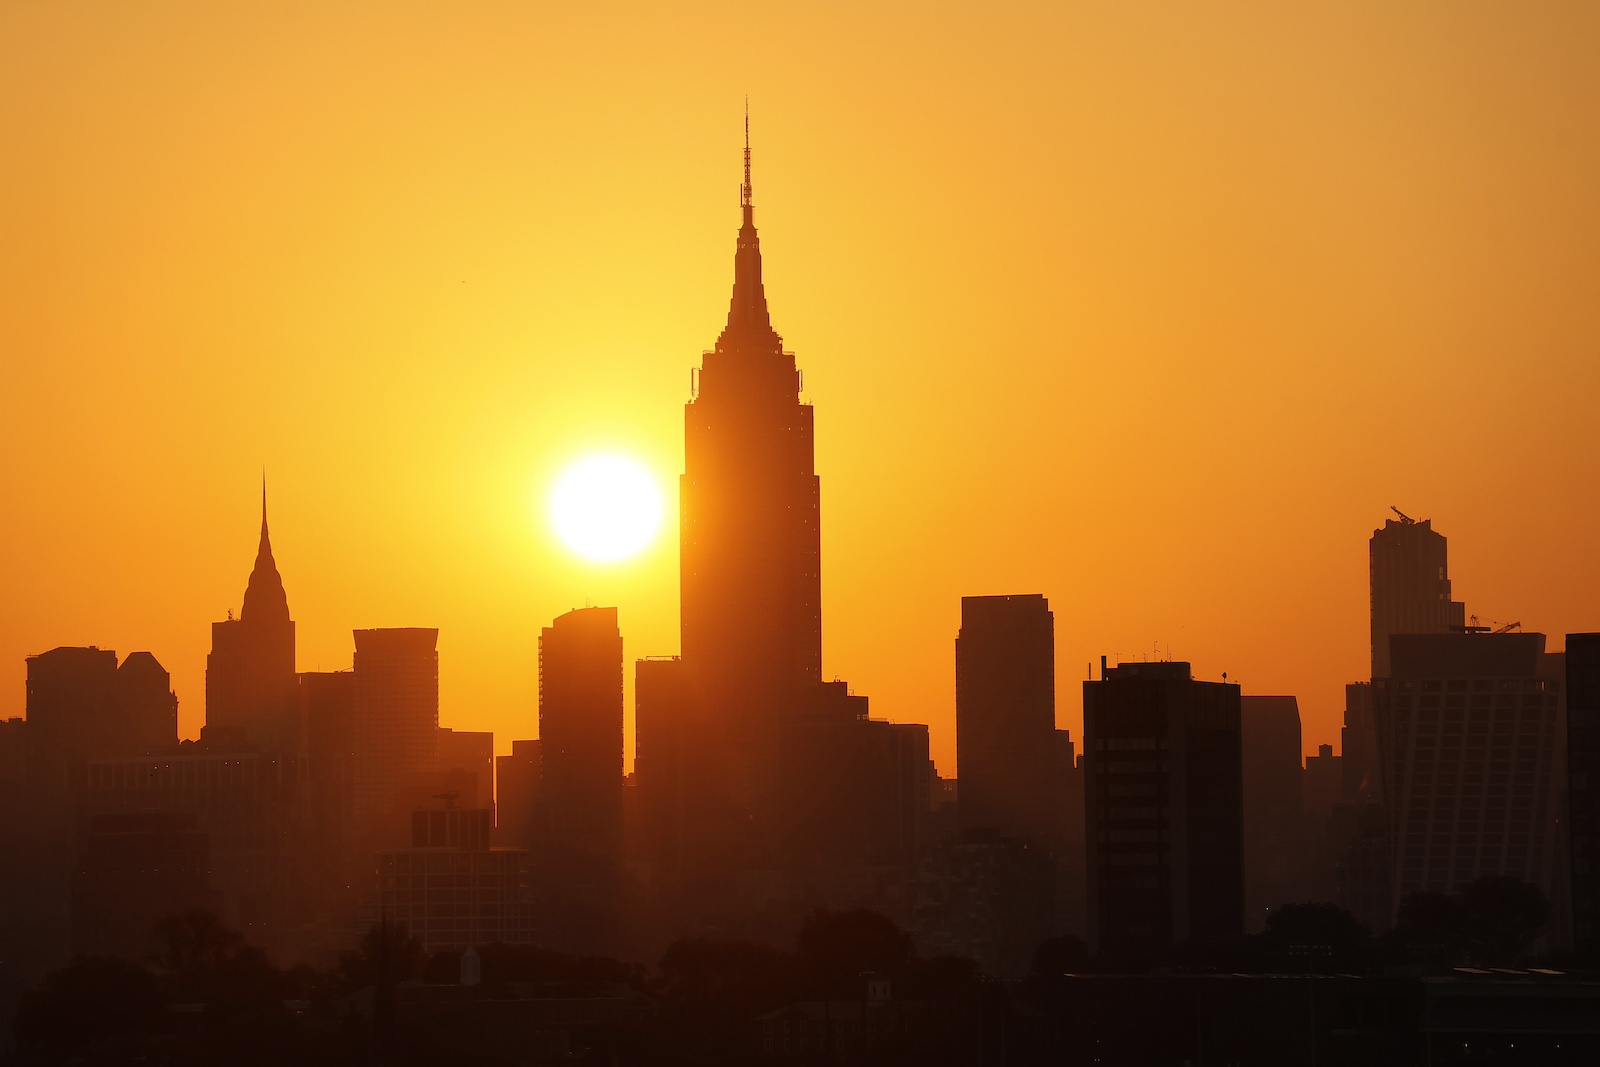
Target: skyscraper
(750,544)
(580,735)
(1165,811)
(1274,835)
(394,726)
(1468,742)
(579,818)
(1583,778)
(251,690)
(1006,715)
(1410,584)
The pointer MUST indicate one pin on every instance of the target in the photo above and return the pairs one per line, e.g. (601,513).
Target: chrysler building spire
(264,596)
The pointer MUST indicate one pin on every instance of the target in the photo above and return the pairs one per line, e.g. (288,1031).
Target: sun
(606,508)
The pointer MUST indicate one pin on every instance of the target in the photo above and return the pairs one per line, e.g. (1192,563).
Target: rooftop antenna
(744,190)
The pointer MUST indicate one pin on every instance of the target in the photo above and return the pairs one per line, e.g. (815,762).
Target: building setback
(1165,810)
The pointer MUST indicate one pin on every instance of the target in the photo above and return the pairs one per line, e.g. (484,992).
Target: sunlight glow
(606,508)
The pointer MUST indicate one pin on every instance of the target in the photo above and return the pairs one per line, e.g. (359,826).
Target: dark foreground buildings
(1275,848)
(1165,812)
(1583,777)
(1469,739)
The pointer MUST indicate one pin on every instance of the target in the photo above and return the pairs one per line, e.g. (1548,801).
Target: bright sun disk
(606,508)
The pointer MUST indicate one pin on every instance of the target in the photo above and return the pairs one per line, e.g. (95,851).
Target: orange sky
(1151,309)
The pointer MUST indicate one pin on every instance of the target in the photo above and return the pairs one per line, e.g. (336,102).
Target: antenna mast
(744,190)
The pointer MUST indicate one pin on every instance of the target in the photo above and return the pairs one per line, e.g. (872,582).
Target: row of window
(1476,685)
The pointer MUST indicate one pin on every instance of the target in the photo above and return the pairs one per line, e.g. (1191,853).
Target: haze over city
(1103,573)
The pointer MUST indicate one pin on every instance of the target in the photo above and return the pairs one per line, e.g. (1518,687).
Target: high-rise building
(134,869)
(1469,734)
(580,734)
(1358,745)
(1583,786)
(1165,811)
(394,726)
(327,711)
(1067,777)
(1410,584)
(1274,833)
(855,789)
(82,705)
(750,546)
(669,789)
(251,690)
(1006,715)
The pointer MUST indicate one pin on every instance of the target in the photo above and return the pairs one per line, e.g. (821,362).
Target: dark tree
(91,999)
(192,942)
(387,951)
(1503,916)
(1060,955)
(705,971)
(836,948)
(1430,928)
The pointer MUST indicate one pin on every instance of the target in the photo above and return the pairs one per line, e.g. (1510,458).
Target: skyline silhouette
(1217,332)
(490,818)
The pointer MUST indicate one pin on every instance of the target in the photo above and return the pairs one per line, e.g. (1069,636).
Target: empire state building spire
(749,325)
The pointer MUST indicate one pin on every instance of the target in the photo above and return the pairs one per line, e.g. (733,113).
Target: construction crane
(1407,519)
(1508,627)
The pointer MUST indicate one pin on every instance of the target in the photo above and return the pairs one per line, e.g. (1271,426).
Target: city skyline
(410,424)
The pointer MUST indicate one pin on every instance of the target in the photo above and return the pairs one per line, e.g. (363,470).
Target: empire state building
(750,539)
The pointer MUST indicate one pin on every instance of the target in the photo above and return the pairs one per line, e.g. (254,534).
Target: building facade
(1006,716)
(1469,737)
(580,734)
(82,705)
(1164,790)
(453,890)
(1275,856)
(1583,789)
(394,727)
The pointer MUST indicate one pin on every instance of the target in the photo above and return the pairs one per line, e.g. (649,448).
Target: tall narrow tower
(750,542)
(251,689)
(1410,581)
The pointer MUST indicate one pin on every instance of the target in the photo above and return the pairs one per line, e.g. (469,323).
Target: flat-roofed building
(1165,811)
(1469,733)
